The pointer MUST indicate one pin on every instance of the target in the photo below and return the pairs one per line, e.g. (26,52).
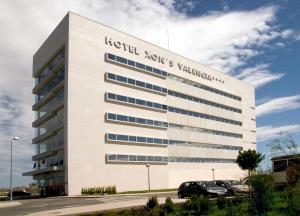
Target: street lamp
(11,142)
(213,170)
(148,166)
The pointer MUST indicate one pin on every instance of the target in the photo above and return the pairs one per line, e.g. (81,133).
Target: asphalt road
(37,205)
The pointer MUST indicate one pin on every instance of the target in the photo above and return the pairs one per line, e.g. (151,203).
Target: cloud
(259,75)
(225,40)
(278,105)
(269,132)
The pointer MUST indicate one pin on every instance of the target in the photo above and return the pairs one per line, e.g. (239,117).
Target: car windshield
(233,182)
(208,184)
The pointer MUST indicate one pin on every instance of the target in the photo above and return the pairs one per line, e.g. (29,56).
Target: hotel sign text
(156,58)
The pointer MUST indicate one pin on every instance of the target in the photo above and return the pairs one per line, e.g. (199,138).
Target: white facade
(118,103)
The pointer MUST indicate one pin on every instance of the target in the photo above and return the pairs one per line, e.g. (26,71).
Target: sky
(257,41)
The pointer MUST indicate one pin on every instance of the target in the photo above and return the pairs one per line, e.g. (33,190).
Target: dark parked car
(205,188)
(233,187)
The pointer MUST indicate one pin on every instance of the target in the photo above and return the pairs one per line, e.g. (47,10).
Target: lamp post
(148,166)
(11,190)
(213,170)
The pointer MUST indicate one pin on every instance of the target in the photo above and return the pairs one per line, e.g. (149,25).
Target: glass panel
(111,116)
(112,136)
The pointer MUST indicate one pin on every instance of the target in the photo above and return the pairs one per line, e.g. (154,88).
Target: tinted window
(111,116)
(112,136)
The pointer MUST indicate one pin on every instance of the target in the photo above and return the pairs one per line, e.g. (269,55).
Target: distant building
(280,165)
(108,103)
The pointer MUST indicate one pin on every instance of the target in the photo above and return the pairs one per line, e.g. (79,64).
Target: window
(132,157)
(111,116)
(131,63)
(148,68)
(157,71)
(141,121)
(112,157)
(141,139)
(136,65)
(148,86)
(141,84)
(111,96)
(122,137)
(132,119)
(121,98)
(122,118)
(131,100)
(149,122)
(131,81)
(140,102)
(111,56)
(141,66)
(136,83)
(150,140)
(111,76)
(121,60)
(112,136)
(132,138)
(122,79)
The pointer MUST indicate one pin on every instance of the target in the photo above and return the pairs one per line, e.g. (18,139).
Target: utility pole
(148,167)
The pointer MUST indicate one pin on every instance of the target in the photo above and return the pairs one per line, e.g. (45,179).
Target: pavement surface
(75,205)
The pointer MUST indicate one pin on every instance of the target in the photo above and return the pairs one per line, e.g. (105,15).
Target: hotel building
(108,104)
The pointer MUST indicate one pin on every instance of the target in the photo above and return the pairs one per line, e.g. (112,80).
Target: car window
(194,185)
(186,185)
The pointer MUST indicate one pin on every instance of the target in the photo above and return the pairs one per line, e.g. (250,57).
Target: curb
(115,195)
(7,204)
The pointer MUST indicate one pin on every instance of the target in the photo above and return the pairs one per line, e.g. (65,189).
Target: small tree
(249,160)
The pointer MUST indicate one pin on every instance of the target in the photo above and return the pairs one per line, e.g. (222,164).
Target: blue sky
(257,41)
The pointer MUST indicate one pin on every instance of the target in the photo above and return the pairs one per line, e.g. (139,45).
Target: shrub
(169,205)
(263,197)
(99,190)
(198,205)
(221,202)
(152,202)
(238,200)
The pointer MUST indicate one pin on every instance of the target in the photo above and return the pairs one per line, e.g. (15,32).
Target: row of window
(204,87)
(136,158)
(204,145)
(136,101)
(204,116)
(159,89)
(136,83)
(199,160)
(163,159)
(139,102)
(155,123)
(136,120)
(204,130)
(59,76)
(48,69)
(151,140)
(203,101)
(136,139)
(135,65)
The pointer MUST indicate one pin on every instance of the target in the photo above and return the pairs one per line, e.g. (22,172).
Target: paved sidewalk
(6,204)
(100,207)
(118,194)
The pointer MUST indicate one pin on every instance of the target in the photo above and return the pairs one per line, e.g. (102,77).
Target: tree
(249,160)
